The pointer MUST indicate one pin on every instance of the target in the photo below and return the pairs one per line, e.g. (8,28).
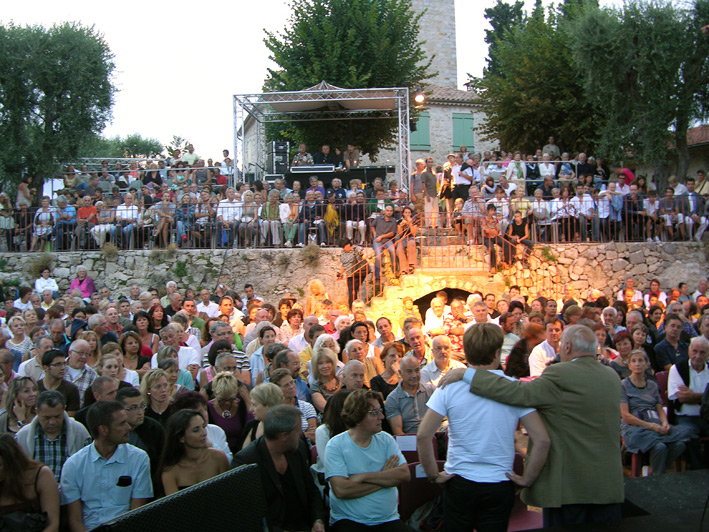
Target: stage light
(419,97)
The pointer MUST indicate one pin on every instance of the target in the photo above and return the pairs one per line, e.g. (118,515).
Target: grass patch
(180,268)
(548,254)
(3,264)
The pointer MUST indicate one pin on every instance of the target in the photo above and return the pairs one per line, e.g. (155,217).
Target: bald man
(406,404)
(441,363)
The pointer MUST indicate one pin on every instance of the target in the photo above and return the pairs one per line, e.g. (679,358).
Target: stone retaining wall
(277,272)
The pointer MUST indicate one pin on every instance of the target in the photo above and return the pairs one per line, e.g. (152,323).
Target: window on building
(463,131)
(421,138)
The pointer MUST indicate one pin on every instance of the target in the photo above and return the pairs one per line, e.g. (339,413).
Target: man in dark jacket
(294,502)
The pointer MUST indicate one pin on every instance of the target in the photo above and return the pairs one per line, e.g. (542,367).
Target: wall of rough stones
(275,273)
(437,28)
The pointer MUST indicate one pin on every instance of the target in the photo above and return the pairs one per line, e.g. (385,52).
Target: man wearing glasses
(54,365)
(364,466)
(77,372)
(145,433)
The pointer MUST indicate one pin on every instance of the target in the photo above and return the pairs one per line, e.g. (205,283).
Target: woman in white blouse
(44,282)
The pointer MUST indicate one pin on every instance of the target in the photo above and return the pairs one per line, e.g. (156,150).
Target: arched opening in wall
(424,302)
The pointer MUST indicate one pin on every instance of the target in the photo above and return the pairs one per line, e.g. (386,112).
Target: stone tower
(437,28)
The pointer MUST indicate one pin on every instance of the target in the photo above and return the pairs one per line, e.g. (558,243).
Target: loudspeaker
(279,146)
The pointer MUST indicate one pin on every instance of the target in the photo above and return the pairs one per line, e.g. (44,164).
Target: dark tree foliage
(538,90)
(349,44)
(502,17)
(647,77)
(55,92)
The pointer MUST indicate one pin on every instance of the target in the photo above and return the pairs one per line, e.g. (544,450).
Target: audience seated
(319,350)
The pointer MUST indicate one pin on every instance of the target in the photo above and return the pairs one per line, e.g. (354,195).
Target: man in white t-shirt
(209,307)
(126,219)
(462,179)
(434,317)
(546,352)
(479,485)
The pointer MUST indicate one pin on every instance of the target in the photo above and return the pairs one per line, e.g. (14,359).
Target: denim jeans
(379,248)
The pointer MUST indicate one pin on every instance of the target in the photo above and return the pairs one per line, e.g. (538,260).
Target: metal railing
(558,221)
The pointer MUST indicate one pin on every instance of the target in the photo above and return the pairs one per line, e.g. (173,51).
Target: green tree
(56,91)
(177,143)
(502,17)
(131,146)
(350,44)
(537,91)
(647,75)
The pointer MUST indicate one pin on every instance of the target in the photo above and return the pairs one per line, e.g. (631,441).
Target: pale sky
(178,64)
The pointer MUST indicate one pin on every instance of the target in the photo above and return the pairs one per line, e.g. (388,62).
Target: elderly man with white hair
(77,371)
(352,376)
(171,288)
(173,335)
(687,382)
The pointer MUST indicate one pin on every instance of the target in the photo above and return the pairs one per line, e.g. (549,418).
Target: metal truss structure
(321,102)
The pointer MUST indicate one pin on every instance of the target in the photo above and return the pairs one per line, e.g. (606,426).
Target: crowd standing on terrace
(501,200)
(111,400)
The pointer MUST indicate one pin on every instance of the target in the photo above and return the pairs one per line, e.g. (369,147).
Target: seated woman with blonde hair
(263,397)
(187,458)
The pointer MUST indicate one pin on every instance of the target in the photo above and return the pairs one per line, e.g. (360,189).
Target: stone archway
(427,283)
(424,302)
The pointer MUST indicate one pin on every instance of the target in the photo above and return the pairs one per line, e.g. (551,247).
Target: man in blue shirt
(671,350)
(109,477)
(64,220)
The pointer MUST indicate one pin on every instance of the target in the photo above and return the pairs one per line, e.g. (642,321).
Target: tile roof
(449,95)
(698,135)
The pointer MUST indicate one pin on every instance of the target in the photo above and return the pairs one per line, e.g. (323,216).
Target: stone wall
(437,29)
(275,273)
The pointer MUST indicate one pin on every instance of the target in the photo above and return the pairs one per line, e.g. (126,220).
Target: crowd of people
(497,199)
(118,399)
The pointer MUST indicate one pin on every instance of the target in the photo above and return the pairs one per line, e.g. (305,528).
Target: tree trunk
(682,148)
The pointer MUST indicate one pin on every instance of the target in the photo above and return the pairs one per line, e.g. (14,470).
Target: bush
(109,251)
(170,251)
(311,255)
(43,260)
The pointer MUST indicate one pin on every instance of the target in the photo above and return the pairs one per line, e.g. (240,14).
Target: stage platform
(672,502)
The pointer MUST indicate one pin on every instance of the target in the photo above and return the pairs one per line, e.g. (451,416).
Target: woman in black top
(518,233)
